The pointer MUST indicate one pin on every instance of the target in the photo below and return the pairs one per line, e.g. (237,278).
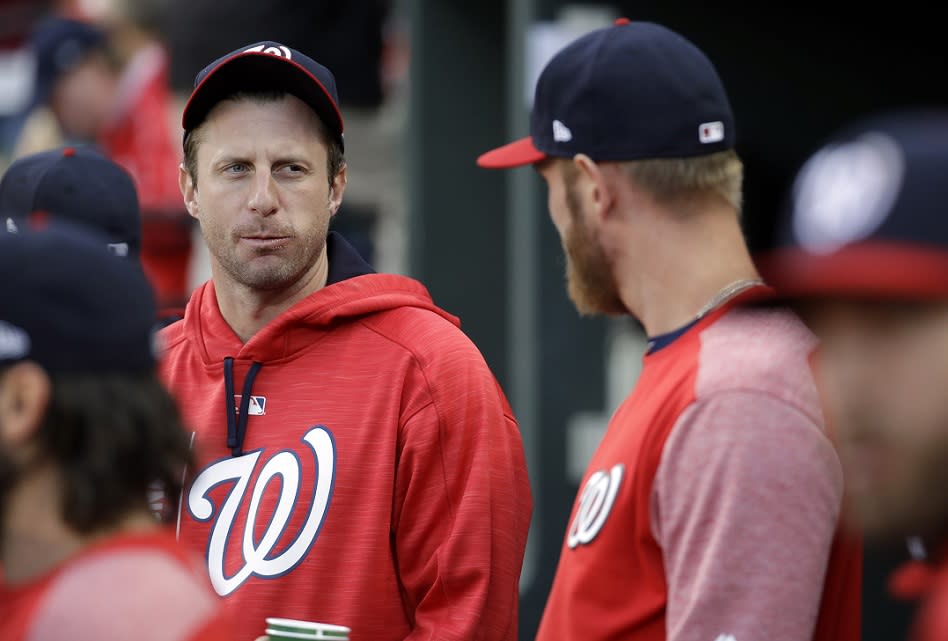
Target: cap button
(38,220)
(622,21)
(69,151)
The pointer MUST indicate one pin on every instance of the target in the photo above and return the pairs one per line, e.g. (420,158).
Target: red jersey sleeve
(462,505)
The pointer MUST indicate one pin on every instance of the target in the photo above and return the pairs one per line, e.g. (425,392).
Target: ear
(188,190)
(25,389)
(338,189)
(594,187)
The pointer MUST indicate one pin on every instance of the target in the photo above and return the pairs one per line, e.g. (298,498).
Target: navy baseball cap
(59,44)
(265,66)
(72,306)
(630,91)
(866,216)
(78,184)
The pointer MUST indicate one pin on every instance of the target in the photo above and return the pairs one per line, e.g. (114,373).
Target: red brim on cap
(516,154)
(868,270)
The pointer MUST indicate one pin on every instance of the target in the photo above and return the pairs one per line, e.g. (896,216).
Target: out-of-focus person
(107,85)
(863,252)
(86,429)
(79,185)
(17,64)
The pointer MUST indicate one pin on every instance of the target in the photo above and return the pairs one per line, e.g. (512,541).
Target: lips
(265,242)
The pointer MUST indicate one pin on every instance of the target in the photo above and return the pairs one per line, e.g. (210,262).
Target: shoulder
(755,446)
(145,593)
(762,351)
(448,369)
(434,341)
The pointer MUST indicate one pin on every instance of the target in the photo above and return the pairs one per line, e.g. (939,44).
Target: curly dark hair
(114,439)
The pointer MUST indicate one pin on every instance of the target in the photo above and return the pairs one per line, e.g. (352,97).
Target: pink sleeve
(745,505)
(136,594)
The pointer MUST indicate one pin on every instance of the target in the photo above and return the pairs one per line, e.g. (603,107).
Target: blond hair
(675,181)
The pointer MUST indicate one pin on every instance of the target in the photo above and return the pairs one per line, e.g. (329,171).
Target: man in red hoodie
(358,462)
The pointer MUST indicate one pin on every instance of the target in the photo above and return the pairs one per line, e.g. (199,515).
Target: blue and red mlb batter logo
(257,407)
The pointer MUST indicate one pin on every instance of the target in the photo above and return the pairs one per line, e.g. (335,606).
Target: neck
(684,263)
(248,310)
(35,538)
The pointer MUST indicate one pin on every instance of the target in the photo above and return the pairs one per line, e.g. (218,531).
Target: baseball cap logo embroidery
(845,192)
(709,132)
(278,50)
(561,132)
(14,342)
(119,249)
(11,226)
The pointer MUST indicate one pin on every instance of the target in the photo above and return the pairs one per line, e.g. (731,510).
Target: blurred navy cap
(72,306)
(59,44)
(631,91)
(265,66)
(78,184)
(866,215)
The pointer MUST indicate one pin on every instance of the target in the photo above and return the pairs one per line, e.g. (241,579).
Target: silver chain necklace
(726,293)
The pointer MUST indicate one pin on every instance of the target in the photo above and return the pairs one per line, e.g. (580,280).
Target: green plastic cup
(294,630)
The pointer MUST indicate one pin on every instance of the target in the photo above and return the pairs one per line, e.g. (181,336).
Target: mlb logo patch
(709,132)
(257,407)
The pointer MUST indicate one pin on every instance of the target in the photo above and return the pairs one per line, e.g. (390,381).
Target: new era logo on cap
(709,132)
(14,342)
(561,133)
(119,249)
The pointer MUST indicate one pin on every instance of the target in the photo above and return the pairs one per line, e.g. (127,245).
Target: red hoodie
(374,477)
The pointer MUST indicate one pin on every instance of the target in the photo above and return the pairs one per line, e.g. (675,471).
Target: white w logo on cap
(278,50)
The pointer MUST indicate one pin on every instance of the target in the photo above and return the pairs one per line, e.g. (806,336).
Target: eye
(292,169)
(236,168)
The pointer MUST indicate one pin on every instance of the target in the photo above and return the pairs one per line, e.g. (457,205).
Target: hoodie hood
(353,291)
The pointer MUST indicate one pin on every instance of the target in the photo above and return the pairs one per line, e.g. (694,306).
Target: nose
(264,200)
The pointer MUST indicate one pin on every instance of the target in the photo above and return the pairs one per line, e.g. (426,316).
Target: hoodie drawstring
(237,419)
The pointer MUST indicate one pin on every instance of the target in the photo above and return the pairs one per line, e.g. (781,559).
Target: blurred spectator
(363,42)
(16,69)
(107,84)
